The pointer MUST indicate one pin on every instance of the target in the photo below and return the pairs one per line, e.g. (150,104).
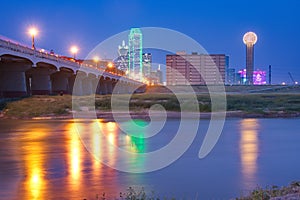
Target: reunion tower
(249,39)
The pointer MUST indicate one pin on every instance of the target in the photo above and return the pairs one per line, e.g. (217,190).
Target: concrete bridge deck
(25,71)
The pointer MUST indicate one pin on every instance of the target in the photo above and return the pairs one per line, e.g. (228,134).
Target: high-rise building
(249,39)
(227,70)
(156,77)
(231,76)
(195,69)
(147,64)
(159,75)
(122,60)
(135,60)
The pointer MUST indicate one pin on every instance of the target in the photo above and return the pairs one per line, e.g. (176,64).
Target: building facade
(135,61)
(122,60)
(183,69)
(231,77)
(147,64)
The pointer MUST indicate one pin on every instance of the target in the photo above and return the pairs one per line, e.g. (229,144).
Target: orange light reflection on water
(74,157)
(34,165)
(249,149)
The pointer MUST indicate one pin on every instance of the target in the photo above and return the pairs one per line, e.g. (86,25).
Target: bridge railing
(7,44)
(15,46)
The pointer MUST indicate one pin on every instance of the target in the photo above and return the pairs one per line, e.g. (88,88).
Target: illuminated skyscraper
(135,54)
(147,62)
(122,60)
(249,39)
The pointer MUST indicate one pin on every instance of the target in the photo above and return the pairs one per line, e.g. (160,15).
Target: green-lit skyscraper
(135,54)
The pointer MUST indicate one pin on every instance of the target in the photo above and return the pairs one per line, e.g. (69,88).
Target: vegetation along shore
(238,105)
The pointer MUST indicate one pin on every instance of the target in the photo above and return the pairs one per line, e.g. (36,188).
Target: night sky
(217,25)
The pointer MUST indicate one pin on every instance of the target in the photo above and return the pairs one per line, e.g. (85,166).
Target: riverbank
(108,116)
(289,192)
(238,106)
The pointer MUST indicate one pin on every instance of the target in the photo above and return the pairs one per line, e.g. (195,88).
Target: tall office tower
(147,62)
(227,70)
(159,75)
(249,39)
(135,60)
(231,79)
(122,60)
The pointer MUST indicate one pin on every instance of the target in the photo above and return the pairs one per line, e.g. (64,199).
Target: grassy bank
(274,192)
(263,104)
(291,191)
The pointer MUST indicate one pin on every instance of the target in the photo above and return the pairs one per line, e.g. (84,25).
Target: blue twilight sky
(217,25)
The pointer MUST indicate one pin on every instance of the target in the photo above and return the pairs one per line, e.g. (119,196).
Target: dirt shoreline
(108,116)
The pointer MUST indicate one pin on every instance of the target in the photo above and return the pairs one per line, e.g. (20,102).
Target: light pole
(33,32)
(74,50)
(96,60)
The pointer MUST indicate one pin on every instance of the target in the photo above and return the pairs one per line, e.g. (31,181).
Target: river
(46,159)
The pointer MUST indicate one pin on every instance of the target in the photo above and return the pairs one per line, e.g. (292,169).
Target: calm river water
(45,159)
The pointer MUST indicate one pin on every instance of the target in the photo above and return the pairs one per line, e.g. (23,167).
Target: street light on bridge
(96,59)
(33,32)
(74,50)
(110,65)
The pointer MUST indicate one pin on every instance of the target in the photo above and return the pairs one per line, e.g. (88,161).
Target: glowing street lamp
(74,50)
(33,32)
(96,60)
(110,65)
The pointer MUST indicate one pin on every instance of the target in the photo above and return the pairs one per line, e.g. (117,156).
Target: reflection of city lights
(111,138)
(249,148)
(74,155)
(34,165)
(127,137)
(35,178)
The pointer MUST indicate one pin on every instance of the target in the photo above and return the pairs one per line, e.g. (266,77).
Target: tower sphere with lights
(249,39)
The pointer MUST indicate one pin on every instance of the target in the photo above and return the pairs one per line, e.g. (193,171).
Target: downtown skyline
(218,26)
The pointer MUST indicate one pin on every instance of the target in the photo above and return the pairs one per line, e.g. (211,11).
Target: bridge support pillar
(13,80)
(87,86)
(109,86)
(71,81)
(125,87)
(40,81)
(96,84)
(60,82)
(78,83)
(102,86)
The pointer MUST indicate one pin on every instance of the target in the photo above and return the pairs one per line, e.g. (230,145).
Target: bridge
(25,71)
